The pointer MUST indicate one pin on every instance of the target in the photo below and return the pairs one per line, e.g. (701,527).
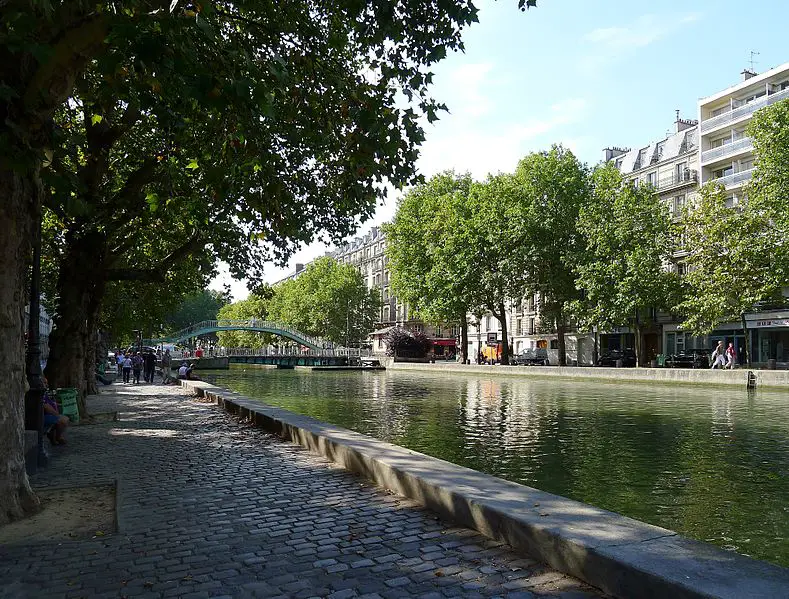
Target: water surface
(712,464)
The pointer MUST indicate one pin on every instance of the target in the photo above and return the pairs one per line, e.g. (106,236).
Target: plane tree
(627,244)
(427,252)
(554,186)
(309,90)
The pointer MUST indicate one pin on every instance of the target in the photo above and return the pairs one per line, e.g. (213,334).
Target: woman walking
(127,366)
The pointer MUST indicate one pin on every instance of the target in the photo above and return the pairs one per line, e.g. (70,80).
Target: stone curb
(768,379)
(623,557)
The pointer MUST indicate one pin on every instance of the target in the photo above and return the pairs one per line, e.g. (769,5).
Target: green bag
(67,403)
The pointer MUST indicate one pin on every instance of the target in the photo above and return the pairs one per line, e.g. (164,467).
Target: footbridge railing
(251,324)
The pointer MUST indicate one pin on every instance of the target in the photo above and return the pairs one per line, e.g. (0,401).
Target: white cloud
(610,43)
(454,144)
(468,84)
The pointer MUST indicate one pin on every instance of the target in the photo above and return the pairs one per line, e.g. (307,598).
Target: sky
(588,75)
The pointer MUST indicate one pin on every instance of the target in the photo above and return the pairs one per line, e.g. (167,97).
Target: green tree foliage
(204,305)
(492,244)
(768,192)
(328,300)
(554,186)
(621,273)
(730,264)
(426,249)
(255,306)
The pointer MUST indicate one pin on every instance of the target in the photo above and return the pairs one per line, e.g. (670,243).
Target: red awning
(446,342)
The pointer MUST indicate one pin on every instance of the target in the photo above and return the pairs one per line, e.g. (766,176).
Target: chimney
(747,74)
(299,267)
(682,124)
(611,153)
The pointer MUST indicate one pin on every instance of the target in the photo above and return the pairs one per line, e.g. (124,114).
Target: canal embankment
(778,379)
(622,556)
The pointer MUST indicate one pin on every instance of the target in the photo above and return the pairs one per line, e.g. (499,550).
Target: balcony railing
(734,178)
(742,111)
(686,177)
(743,144)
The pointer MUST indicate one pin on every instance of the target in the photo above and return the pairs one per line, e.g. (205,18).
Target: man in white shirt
(182,371)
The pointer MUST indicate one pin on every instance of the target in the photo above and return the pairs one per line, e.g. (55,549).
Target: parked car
(532,357)
(690,358)
(610,358)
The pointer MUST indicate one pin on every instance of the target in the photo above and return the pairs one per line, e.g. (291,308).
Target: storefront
(444,348)
(771,337)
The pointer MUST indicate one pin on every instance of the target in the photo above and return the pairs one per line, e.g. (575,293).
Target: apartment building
(726,157)
(725,150)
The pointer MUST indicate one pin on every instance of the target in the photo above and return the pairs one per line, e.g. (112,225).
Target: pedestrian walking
(127,367)
(731,356)
(718,356)
(166,363)
(136,367)
(149,364)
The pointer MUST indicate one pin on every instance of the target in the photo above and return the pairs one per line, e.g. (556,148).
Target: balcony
(734,179)
(687,177)
(743,111)
(739,146)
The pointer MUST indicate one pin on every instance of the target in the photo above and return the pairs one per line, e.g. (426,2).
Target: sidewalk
(209,507)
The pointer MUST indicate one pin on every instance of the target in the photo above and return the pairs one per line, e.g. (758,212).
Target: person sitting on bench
(54,421)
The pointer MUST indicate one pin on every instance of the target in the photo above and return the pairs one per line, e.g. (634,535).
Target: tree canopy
(556,185)
(622,270)
(427,251)
(329,300)
(286,119)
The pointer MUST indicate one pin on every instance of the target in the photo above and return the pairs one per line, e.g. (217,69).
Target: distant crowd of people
(132,364)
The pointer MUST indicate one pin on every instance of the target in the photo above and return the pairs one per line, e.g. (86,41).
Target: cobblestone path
(210,507)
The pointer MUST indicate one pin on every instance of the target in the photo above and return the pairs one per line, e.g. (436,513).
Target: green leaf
(96,118)
(193,165)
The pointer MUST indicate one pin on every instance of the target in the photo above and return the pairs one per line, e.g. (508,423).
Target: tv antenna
(752,61)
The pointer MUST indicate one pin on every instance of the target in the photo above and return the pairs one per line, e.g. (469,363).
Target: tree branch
(54,80)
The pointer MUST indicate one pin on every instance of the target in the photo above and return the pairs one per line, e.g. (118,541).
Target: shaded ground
(66,514)
(209,507)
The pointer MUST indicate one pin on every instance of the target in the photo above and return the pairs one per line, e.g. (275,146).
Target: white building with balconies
(725,150)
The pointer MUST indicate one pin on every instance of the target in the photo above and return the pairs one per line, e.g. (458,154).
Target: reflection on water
(710,463)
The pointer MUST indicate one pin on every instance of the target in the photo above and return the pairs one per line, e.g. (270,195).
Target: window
(554,344)
(487,323)
(722,172)
(679,204)
(531,326)
(680,171)
(532,302)
(418,328)
(519,327)
(438,331)
(386,313)
(652,178)
(659,152)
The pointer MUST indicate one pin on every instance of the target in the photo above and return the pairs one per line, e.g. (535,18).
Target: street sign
(492,338)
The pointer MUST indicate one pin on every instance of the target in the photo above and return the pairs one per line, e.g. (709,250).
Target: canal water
(710,463)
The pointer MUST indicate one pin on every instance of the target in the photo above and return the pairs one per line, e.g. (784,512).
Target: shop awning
(446,342)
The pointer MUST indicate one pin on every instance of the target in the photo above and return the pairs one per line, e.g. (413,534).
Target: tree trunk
(80,291)
(561,329)
(747,340)
(505,343)
(20,197)
(464,339)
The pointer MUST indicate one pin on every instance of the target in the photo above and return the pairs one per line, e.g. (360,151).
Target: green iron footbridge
(251,324)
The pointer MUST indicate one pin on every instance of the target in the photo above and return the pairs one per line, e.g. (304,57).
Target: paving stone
(212,507)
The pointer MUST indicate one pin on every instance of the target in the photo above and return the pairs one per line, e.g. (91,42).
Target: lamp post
(34,398)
